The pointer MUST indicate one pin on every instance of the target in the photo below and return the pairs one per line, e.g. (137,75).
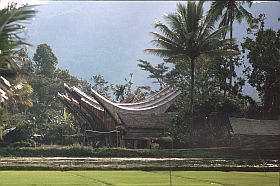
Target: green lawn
(133,178)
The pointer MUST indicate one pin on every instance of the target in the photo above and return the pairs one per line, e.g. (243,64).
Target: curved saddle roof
(111,114)
(150,101)
(83,114)
(99,114)
(153,100)
(77,112)
(78,95)
(114,108)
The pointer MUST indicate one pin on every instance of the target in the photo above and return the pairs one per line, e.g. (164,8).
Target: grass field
(134,178)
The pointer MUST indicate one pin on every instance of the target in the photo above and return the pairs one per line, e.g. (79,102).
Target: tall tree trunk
(225,86)
(224,77)
(231,61)
(191,101)
(192,85)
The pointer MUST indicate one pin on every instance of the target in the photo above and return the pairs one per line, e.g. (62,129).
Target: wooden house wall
(143,132)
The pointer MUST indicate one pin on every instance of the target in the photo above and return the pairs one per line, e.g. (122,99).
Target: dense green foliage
(40,109)
(12,24)
(78,151)
(12,19)
(15,90)
(227,12)
(264,73)
(45,60)
(157,72)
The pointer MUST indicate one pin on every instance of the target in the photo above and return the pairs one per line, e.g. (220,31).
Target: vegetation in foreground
(78,151)
(88,158)
(138,178)
(145,164)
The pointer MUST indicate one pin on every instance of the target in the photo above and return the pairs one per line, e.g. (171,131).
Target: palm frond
(207,26)
(227,11)
(173,21)
(161,52)
(182,17)
(186,37)
(161,38)
(192,17)
(213,37)
(167,32)
(200,9)
(247,15)
(216,9)
(12,20)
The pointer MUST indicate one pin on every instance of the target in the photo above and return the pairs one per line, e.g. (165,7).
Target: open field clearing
(125,178)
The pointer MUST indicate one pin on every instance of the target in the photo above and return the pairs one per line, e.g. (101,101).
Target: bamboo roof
(150,101)
(68,103)
(243,126)
(159,121)
(159,107)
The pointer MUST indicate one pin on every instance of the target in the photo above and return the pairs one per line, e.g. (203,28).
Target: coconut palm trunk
(231,60)
(192,85)
(191,99)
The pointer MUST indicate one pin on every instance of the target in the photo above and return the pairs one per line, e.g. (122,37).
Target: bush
(69,151)
(56,131)
(22,144)
(154,145)
(23,132)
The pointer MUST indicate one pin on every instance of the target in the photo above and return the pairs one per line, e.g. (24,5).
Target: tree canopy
(264,57)
(45,60)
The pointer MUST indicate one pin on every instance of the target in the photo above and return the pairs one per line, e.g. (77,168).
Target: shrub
(22,144)
(23,132)
(56,131)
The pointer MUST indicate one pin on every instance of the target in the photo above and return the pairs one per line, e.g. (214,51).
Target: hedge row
(73,151)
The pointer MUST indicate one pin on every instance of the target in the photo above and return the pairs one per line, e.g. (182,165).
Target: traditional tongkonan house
(121,124)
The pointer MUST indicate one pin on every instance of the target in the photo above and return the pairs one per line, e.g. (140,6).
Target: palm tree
(12,20)
(188,35)
(227,12)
